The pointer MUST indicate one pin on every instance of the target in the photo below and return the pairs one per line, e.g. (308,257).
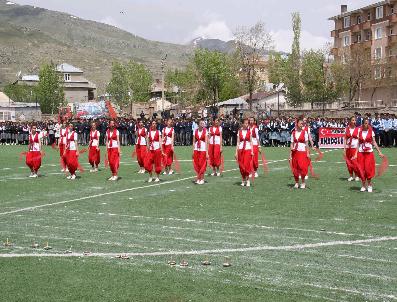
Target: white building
(15,111)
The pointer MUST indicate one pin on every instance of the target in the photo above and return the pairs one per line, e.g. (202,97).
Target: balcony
(356,28)
(392,39)
(393,18)
(366,25)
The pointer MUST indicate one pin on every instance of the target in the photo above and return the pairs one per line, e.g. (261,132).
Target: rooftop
(360,10)
(65,67)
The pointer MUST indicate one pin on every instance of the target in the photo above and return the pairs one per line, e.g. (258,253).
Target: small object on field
(118,257)
(206,262)
(35,245)
(47,247)
(125,257)
(7,243)
(184,263)
(322,230)
(86,253)
(172,262)
(226,262)
(69,251)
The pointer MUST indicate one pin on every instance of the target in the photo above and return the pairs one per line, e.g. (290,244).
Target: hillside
(30,36)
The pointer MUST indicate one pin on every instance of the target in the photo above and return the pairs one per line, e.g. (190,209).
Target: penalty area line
(211,252)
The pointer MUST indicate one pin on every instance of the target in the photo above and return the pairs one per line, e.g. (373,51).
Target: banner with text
(331,138)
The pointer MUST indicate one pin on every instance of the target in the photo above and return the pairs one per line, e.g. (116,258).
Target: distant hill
(30,36)
(214,45)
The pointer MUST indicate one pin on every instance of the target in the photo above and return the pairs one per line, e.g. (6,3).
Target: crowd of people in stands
(273,131)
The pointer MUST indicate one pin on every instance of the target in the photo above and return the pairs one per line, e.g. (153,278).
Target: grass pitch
(327,243)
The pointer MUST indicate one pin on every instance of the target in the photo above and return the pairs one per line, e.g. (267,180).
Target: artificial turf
(319,244)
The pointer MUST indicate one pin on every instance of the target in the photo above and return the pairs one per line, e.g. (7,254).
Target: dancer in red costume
(94,153)
(244,153)
(350,148)
(113,150)
(306,128)
(168,147)
(200,152)
(365,155)
(140,147)
(63,132)
(71,152)
(256,147)
(154,155)
(215,148)
(34,154)
(300,154)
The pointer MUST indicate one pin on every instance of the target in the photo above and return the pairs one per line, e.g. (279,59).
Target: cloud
(110,21)
(213,30)
(283,40)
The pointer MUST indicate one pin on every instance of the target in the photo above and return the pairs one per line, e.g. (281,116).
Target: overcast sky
(180,21)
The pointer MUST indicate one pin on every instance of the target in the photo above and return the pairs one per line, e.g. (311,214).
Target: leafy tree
(49,90)
(20,93)
(252,44)
(140,81)
(118,86)
(277,68)
(183,85)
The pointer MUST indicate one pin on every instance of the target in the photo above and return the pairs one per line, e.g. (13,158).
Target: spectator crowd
(273,131)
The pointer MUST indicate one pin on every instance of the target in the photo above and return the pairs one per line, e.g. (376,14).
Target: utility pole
(163,62)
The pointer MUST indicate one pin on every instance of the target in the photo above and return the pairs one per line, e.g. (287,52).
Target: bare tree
(252,44)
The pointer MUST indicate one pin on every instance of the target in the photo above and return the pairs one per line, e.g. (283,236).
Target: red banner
(331,138)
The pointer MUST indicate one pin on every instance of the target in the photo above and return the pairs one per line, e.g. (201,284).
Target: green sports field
(327,243)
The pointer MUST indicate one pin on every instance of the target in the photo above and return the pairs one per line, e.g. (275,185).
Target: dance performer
(365,155)
(140,147)
(168,147)
(154,155)
(350,148)
(256,148)
(71,152)
(215,148)
(113,150)
(63,132)
(306,128)
(244,153)
(94,153)
(34,154)
(300,154)
(200,152)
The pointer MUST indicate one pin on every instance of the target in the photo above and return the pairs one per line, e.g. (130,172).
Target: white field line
(213,251)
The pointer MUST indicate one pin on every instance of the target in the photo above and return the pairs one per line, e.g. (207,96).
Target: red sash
(349,137)
(215,131)
(368,139)
(200,139)
(245,139)
(64,135)
(69,138)
(34,139)
(140,135)
(301,139)
(112,137)
(253,131)
(165,135)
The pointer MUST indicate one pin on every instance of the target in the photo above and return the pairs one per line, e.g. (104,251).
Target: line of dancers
(155,152)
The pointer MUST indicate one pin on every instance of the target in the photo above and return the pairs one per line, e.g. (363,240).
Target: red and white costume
(214,147)
(154,156)
(365,157)
(255,146)
(113,150)
(94,154)
(71,157)
(244,155)
(200,153)
(33,157)
(168,148)
(300,162)
(351,137)
(63,133)
(140,147)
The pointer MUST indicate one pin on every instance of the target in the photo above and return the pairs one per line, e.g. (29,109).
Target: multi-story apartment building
(370,32)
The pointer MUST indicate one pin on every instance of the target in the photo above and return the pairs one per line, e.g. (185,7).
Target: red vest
(253,132)
(245,139)
(215,131)
(156,138)
(93,135)
(69,138)
(300,139)
(368,139)
(349,136)
(169,133)
(34,139)
(200,139)
(141,133)
(111,137)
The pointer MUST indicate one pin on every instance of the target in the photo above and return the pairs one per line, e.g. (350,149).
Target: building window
(391,31)
(359,20)
(346,41)
(67,77)
(346,22)
(378,53)
(377,73)
(378,33)
(368,36)
(5,116)
(359,38)
(369,16)
(392,10)
(379,12)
